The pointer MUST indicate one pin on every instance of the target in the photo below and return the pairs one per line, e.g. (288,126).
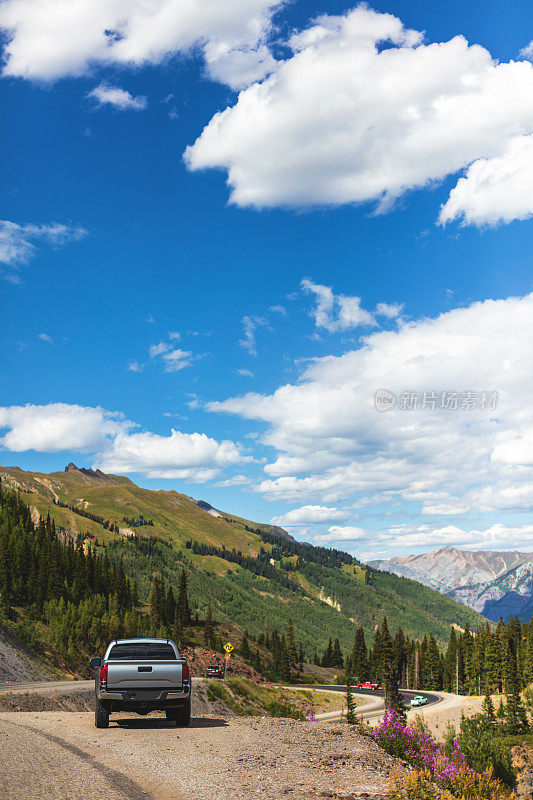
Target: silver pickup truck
(142,675)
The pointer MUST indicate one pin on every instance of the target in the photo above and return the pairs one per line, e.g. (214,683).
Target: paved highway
(374,707)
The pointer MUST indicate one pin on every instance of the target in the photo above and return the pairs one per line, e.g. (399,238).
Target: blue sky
(134,283)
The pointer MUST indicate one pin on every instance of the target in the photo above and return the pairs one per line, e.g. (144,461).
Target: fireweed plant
(448,772)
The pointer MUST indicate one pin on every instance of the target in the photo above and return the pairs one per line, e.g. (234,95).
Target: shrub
(418,785)
(484,749)
(470,785)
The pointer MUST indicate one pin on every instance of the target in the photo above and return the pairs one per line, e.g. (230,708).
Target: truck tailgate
(142,675)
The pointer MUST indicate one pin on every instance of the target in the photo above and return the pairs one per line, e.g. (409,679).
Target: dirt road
(40,766)
(61,755)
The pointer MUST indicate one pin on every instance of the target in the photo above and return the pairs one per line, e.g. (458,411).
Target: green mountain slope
(245,570)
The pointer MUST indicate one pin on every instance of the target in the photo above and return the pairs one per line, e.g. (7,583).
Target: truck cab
(142,675)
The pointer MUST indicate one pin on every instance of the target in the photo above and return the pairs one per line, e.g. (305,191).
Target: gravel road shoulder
(254,757)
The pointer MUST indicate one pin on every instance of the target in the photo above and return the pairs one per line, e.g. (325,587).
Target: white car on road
(418,700)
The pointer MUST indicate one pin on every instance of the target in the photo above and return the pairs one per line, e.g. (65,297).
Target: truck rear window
(142,652)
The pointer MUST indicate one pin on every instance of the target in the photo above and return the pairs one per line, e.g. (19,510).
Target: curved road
(374,707)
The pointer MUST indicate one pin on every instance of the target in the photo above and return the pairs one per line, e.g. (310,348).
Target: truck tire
(101,715)
(181,716)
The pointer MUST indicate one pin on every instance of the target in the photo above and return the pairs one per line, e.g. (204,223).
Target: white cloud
(331,444)
(310,515)
(44,337)
(341,533)
(173,359)
(250,326)
(49,40)
(424,537)
(104,94)
(236,480)
(527,51)
(389,310)
(346,120)
(278,310)
(184,456)
(176,360)
(336,312)
(18,243)
(59,427)
(245,373)
(495,190)
(134,366)
(157,349)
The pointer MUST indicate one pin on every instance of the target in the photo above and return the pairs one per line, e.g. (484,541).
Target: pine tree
(488,707)
(392,697)
(515,713)
(327,658)
(337,659)
(156,601)
(245,647)
(184,610)
(350,702)
(291,645)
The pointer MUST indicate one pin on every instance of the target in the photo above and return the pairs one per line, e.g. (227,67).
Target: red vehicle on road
(214,671)
(374,687)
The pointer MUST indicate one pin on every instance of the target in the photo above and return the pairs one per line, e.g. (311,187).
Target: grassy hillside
(247,573)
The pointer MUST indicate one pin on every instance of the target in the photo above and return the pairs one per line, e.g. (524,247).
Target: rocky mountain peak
(89,473)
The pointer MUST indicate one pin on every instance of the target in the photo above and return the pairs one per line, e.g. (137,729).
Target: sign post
(228,647)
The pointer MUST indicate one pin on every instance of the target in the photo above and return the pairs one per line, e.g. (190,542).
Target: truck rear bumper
(144,700)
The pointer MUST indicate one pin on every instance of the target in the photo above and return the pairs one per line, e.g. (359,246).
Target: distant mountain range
(492,583)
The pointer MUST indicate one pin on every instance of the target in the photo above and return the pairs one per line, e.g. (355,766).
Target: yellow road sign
(228,647)
(227,656)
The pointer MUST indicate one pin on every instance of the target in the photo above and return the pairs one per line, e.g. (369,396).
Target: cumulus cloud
(45,337)
(50,40)
(527,51)
(18,243)
(185,456)
(104,94)
(495,537)
(309,515)
(336,312)
(495,190)
(59,426)
(116,446)
(346,119)
(331,444)
(341,533)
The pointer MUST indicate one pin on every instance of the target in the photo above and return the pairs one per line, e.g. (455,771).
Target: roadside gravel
(239,759)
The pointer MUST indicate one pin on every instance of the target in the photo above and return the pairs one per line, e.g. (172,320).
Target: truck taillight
(103,674)
(185,674)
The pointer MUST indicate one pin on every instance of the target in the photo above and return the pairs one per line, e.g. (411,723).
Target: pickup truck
(142,675)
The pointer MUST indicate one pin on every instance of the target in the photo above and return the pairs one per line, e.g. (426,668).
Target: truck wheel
(182,716)
(101,715)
